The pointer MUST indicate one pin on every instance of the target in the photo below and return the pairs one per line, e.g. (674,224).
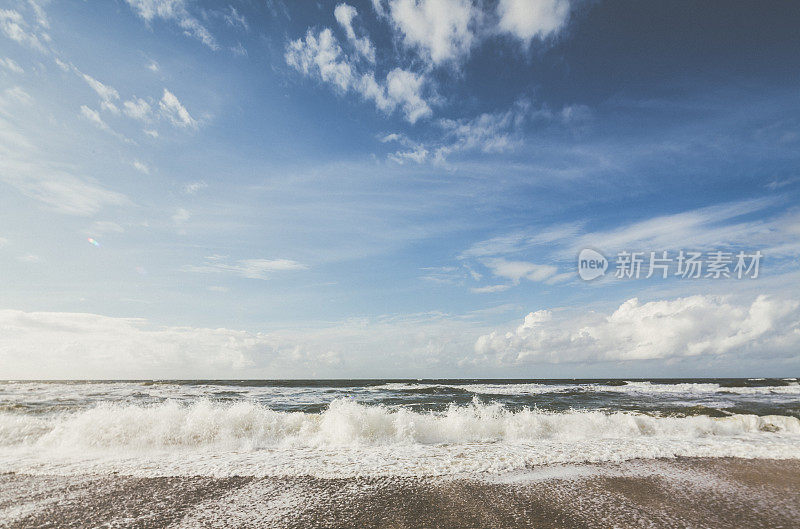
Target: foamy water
(394,428)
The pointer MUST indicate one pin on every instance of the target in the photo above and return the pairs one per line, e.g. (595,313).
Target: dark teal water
(663,397)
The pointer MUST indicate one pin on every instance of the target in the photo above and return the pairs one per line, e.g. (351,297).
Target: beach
(683,492)
(415,454)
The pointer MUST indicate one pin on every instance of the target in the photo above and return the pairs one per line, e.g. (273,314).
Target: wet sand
(647,493)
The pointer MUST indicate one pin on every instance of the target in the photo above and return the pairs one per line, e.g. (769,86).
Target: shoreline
(696,492)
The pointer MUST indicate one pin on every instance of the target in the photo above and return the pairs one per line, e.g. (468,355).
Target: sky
(397,188)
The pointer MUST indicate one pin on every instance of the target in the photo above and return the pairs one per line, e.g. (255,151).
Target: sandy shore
(654,493)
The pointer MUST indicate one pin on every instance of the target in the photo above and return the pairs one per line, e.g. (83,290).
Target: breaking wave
(250,426)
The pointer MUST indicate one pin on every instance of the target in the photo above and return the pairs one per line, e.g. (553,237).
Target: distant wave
(786,387)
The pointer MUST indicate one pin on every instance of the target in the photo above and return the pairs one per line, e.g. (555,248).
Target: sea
(346,428)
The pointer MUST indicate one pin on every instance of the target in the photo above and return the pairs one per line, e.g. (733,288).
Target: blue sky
(394,188)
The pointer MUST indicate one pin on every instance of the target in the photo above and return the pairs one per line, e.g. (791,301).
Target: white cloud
(94,117)
(172,109)
(42,344)
(107,94)
(320,56)
(529,19)
(487,132)
(704,228)
(345,14)
(439,33)
(181,216)
(141,167)
(234,18)
(490,288)
(521,240)
(41,16)
(249,268)
(75,345)
(441,30)
(58,189)
(25,168)
(379,8)
(405,88)
(137,108)
(16,94)
(670,329)
(174,11)
(9,64)
(13,26)
(517,270)
(193,187)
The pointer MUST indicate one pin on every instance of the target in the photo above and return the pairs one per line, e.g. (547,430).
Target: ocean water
(328,428)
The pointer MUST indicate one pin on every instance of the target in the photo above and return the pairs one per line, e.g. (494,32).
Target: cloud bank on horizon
(388,187)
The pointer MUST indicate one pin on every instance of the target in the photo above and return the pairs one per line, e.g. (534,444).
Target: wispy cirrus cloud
(175,112)
(14,26)
(248,268)
(175,11)
(23,167)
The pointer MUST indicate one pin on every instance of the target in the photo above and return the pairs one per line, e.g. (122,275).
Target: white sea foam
(350,438)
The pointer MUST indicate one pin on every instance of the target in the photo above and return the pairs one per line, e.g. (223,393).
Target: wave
(787,387)
(249,426)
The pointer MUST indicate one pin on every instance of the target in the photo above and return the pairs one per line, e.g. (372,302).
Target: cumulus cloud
(175,112)
(75,345)
(137,108)
(249,268)
(529,19)
(439,33)
(405,88)
(692,326)
(441,30)
(177,12)
(70,345)
(319,55)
